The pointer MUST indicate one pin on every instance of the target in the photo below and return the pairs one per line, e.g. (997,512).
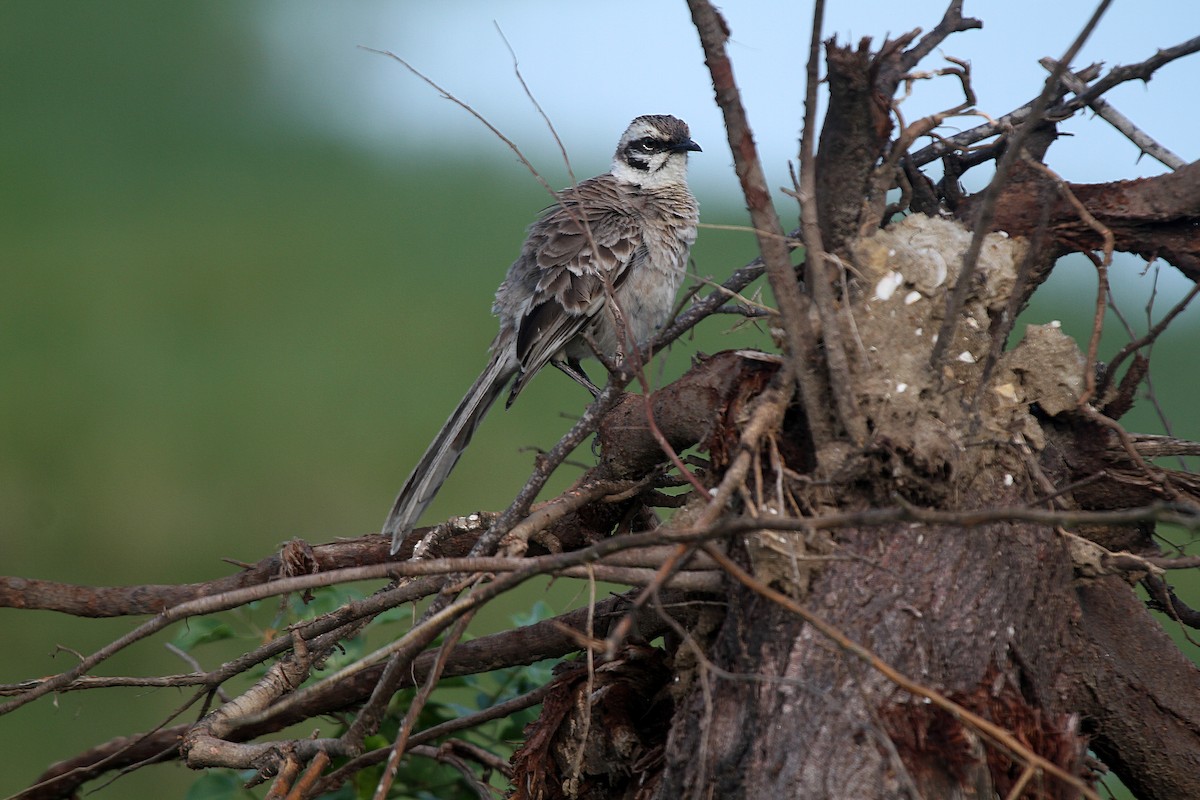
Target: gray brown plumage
(634,227)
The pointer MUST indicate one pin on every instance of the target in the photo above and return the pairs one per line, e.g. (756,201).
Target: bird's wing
(587,239)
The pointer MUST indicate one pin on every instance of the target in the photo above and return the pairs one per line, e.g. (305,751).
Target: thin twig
(1133,72)
(1118,75)
(336,779)
(1107,112)
(383,787)
(302,788)
(1018,788)
(793,306)
(987,208)
(1152,335)
(1156,475)
(766,416)
(952,22)
(705,306)
(482,791)
(445,93)
(435,619)
(1101,265)
(562,149)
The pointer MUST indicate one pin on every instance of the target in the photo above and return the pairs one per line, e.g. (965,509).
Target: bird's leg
(572,368)
(615,363)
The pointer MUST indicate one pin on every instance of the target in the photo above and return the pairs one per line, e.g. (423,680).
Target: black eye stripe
(636,161)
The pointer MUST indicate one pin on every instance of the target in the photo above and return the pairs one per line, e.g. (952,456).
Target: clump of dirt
(936,432)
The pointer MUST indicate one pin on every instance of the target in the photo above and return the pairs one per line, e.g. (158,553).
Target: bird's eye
(646,145)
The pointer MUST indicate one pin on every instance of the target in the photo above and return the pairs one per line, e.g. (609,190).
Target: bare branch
(815,258)
(793,306)
(1141,71)
(418,703)
(1107,112)
(337,778)
(952,22)
(1155,331)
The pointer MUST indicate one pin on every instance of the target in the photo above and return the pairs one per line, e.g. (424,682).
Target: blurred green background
(220,330)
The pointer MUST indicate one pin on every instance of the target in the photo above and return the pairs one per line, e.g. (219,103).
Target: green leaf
(201,631)
(221,784)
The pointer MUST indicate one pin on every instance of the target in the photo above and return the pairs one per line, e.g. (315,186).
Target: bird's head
(653,152)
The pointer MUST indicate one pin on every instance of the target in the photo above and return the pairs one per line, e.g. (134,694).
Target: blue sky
(595,66)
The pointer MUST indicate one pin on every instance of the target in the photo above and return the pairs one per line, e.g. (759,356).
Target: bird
(631,228)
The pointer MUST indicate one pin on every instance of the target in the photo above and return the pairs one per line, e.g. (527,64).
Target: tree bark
(982,614)
(1138,695)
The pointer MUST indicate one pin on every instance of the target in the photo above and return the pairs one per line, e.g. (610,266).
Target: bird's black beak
(684,146)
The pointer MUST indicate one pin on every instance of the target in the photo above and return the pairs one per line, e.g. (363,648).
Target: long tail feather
(441,456)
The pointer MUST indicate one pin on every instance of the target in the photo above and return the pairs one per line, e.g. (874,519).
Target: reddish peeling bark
(1155,218)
